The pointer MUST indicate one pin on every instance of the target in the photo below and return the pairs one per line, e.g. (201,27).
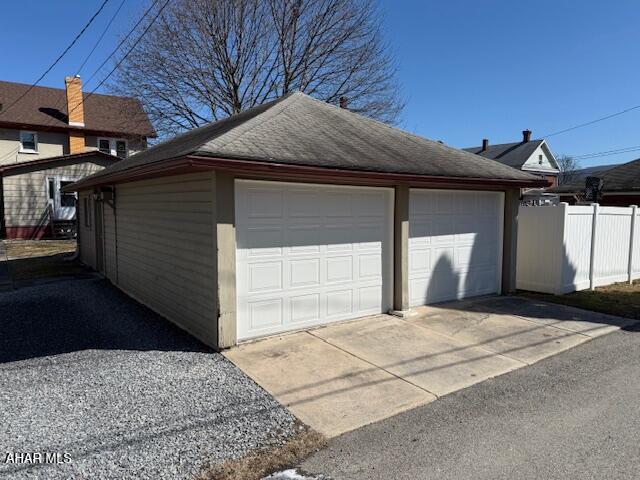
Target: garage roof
(302,131)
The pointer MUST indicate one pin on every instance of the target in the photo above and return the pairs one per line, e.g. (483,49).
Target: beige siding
(26,197)
(50,144)
(110,261)
(166,249)
(86,234)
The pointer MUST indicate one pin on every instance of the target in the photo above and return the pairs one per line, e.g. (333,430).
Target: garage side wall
(166,249)
(86,229)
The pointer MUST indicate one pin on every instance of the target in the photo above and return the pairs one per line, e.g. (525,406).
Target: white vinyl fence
(567,248)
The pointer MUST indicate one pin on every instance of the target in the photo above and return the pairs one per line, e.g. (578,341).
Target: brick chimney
(75,111)
(485,144)
(343,102)
(526,136)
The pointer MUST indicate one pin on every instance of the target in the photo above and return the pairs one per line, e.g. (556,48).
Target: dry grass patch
(36,259)
(261,463)
(17,249)
(620,299)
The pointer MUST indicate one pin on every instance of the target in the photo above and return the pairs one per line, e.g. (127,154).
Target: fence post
(563,208)
(592,260)
(634,209)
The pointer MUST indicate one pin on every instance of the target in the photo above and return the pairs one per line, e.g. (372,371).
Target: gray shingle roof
(512,154)
(621,178)
(299,130)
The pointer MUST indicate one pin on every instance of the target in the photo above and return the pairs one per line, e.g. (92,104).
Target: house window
(121,148)
(540,159)
(104,145)
(52,189)
(67,199)
(113,146)
(28,142)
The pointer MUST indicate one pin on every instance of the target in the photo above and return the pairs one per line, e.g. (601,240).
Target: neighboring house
(579,176)
(533,156)
(621,186)
(52,137)
(298,213)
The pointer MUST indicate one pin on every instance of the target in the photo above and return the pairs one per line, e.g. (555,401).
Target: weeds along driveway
(86,371)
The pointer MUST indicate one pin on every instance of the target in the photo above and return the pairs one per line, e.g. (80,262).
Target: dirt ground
(36,259)
(621,299)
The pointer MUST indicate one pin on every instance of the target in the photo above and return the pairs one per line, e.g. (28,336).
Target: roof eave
(193,163)
(57,161)
(70,128)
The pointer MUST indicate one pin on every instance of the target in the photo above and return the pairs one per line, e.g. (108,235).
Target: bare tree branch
(568,168)
(204,60)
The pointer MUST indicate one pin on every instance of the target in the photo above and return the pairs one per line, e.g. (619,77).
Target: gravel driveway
(86,371)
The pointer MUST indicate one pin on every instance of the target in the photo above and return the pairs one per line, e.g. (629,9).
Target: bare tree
(568,168)
(204,60)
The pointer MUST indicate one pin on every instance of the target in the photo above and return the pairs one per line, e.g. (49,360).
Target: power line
(606,153)
(126,37)
(33,85)
(135,44)
(100,37)
(575,127)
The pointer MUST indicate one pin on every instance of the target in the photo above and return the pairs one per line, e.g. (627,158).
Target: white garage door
(310,254)
(455,244)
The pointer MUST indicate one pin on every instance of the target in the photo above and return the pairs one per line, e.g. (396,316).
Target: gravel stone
(87,371)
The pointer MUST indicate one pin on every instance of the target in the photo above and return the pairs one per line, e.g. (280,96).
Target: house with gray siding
(51,137)
(297,213)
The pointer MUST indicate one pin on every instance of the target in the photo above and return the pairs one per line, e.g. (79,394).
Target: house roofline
(52,162)
(194,163)
(70,128)
(547,148)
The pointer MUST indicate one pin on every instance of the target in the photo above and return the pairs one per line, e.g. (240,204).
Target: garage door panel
(339,269)
(265,204)
(319,262)
(305,308)
(419,260)
(454,245)
(265,276)
(302,239)
(304,272)
(304,204)
(339,303)
(370,266)
(265,313)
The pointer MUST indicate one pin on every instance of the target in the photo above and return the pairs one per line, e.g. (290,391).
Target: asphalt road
(572,416)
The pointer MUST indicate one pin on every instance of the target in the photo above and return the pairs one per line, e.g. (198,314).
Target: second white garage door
(310,254)
(455,244)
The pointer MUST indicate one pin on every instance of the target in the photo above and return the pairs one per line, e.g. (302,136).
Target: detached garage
(295,214)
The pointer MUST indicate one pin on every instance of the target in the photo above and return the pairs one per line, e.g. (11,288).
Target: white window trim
(56,201)
(112,145)
(35,137)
